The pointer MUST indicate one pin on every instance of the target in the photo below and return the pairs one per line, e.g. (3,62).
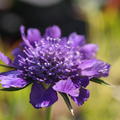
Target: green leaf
(99,81)
(11,89)
(67,101)
(6,66)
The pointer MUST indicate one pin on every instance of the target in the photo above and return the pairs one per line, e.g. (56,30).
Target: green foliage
(99,81)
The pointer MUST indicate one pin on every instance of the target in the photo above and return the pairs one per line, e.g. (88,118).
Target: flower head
(53,64)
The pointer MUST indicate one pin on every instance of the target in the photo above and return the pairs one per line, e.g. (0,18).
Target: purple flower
(53,64)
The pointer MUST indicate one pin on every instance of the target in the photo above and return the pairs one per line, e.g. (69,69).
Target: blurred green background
(101,25)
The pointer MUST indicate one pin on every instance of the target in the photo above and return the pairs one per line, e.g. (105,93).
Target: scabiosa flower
(53,64)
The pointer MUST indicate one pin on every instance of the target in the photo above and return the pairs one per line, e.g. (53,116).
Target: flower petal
(5,59)
(83,96)
(94,68)
(12,79)
(89,51)
(41,97)
(81,81)
(53,31)
(76,40)
(27,42)
(33,35)
(66,86)
(18,53)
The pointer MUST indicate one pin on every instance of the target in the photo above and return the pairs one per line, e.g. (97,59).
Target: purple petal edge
(5,59)
(83,96)
(12,79)
(41,97)
(66,86)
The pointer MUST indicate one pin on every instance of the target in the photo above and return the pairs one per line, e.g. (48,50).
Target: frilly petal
(66,86)
(5,59)
(41,97)
(83,96)
(27,42)
(53,31)
(12,79)
(76,40)
(81,81)
(94,68)
(89,51)
(33,35)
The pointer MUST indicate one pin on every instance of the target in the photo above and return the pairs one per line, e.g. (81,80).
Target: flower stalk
(48,113)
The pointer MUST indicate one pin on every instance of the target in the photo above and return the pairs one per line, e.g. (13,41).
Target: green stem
(48,113)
